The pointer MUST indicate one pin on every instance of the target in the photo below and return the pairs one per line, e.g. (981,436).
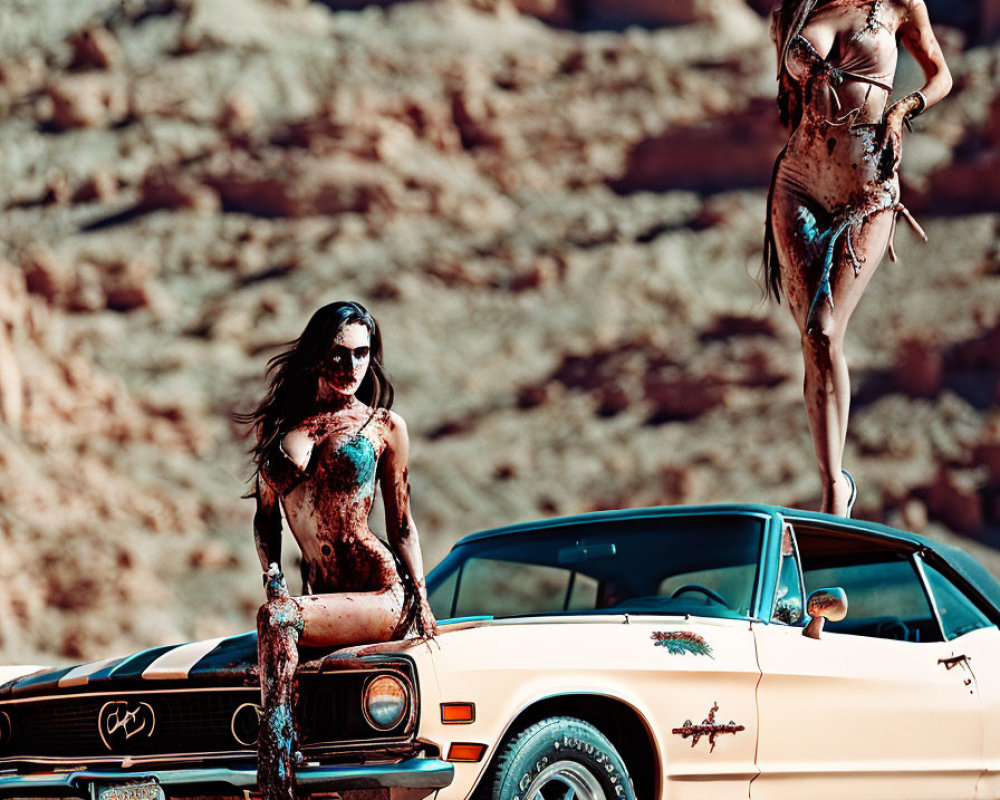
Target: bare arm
(917,36)
(267,525)
(400,528)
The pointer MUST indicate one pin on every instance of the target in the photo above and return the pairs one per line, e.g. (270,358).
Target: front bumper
(414,773)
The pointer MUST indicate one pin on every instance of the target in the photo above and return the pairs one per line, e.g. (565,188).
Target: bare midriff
(327,510)
(835,155)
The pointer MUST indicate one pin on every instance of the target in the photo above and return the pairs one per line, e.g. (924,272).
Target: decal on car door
(708,727)
(680,642)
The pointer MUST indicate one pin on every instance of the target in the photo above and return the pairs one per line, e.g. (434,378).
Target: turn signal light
(466,751)
(458,713)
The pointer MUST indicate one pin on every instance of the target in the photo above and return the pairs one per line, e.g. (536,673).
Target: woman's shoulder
(393,428)
(390,418)
(905,7)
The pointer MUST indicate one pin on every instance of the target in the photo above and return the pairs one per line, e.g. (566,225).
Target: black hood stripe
(233,656)
(133,667)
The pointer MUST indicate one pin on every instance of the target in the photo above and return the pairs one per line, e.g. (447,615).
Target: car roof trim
(651,512)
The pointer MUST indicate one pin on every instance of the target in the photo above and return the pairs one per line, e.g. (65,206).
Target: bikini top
(861,58)
(349,469)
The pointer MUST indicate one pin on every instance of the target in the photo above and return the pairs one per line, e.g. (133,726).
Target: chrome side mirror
(825,604)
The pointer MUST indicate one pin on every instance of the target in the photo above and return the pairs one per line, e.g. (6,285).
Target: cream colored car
(726,651)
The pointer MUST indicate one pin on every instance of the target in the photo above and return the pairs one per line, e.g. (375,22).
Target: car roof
(654,512)
(970,570)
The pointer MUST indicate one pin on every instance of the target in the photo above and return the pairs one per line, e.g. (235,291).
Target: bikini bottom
(820,230)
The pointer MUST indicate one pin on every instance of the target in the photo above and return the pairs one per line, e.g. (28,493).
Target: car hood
(229,661)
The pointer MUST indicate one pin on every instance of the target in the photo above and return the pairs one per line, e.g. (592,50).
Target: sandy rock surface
(557,227)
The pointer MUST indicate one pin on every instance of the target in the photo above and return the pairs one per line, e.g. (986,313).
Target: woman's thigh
(801,262)
(870,243)
(800,270)
(351,617)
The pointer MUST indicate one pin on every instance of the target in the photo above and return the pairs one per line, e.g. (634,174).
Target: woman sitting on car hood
(325,435)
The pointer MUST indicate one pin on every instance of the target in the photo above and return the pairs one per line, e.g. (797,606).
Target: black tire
(556,754)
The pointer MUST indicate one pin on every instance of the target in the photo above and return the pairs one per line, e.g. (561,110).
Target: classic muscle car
(728,651)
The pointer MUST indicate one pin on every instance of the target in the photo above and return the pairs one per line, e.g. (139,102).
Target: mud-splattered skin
(279,625)
(328,511)
(835,190)
(839,168)
(323,473)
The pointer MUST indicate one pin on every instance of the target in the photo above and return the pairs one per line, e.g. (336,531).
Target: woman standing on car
(834,194)
(325,434)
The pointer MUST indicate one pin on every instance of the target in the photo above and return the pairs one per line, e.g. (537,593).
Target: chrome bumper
(414,773)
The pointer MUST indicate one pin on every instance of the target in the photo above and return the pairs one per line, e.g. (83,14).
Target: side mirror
(824,604)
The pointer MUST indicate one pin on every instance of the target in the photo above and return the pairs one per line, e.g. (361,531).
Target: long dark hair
(291,395)
(788,19)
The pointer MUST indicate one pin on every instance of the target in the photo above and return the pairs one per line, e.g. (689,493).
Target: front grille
(165,722)
(188,721)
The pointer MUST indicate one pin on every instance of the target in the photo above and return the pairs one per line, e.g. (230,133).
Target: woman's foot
(839,496)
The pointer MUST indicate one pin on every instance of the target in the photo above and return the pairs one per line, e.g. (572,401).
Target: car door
(879,705)
(969,625)
(702,668)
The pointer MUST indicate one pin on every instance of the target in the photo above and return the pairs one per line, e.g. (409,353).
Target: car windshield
(703,565)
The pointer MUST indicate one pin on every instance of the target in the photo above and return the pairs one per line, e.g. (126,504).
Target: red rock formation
(919,368)
(737,150)
(955,503)
(94,47)
(88,100)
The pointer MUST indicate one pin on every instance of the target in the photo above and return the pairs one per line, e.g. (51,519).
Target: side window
(885,597)
(788,605)
(958,614)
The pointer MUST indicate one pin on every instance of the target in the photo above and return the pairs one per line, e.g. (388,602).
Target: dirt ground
(555,214)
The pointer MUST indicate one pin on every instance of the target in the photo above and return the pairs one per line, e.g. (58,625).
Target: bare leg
(826,387)
(333,620)
(279,625)
(319,620)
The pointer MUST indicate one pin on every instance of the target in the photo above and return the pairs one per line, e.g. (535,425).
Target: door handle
(954,661)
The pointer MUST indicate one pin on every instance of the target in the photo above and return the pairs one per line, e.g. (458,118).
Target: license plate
(148,790)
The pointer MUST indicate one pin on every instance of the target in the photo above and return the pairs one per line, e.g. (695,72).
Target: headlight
(386,701)
(245,724)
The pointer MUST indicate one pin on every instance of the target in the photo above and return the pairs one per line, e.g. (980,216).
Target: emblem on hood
(121,721)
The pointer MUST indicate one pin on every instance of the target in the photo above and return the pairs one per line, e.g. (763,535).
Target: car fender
(467,669)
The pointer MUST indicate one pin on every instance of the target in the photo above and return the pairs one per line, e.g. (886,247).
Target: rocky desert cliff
(555,210)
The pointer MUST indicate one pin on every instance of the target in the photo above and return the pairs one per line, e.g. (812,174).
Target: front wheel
(561,758)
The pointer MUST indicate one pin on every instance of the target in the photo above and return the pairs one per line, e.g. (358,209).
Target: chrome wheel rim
(565,780)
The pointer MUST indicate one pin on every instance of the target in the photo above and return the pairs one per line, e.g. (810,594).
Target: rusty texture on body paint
(279,624)
(708,727)
(678,643)
(834,196)
(318,462)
